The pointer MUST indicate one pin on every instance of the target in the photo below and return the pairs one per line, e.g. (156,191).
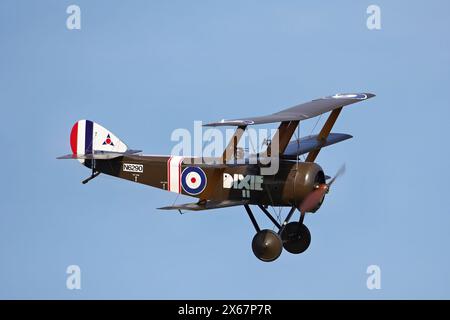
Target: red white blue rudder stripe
(87,137)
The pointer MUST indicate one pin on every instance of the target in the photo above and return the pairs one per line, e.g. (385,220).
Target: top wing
(299,112)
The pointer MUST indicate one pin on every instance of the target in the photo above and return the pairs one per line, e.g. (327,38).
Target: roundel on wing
(193,180)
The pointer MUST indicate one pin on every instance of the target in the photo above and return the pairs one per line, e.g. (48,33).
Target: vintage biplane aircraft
(299,185)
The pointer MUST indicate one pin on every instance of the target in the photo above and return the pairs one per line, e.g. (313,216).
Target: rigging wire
(318,119)
(277,214)
(176,198)
(314,127)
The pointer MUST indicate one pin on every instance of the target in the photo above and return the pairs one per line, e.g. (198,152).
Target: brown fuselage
(288,187)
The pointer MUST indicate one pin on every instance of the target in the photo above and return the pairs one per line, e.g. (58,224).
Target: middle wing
(309,143)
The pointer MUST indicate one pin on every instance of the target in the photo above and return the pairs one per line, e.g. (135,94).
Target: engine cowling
(307,177)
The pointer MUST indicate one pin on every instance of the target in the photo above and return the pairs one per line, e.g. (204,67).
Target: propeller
(339,173)
(313,199)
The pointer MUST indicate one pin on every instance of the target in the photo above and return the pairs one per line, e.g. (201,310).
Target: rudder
(87,137)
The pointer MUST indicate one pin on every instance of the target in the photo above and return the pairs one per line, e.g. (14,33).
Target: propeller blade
(340,172)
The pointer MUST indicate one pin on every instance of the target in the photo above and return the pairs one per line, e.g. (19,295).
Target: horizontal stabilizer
(207,205)
(310,143)
(100,155)
(299,112)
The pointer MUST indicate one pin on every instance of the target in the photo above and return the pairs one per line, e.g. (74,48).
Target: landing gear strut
(267,244)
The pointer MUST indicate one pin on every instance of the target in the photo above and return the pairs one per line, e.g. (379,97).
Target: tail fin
(89,140)
(88,137)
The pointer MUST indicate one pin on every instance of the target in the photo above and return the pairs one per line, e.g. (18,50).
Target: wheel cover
(296,237)
(267,245)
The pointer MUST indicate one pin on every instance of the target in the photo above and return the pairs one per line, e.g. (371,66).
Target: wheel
(267,245)
(296,237)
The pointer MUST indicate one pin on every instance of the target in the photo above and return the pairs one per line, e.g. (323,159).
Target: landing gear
(296,237)
(267,244)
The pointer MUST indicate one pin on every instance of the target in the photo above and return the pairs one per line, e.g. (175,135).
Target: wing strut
(231,149)
(322,137)
(284,135)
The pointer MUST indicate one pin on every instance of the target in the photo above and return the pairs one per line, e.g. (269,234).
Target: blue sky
(144,68)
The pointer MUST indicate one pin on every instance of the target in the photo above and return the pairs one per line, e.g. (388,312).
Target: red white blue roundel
(193,180)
